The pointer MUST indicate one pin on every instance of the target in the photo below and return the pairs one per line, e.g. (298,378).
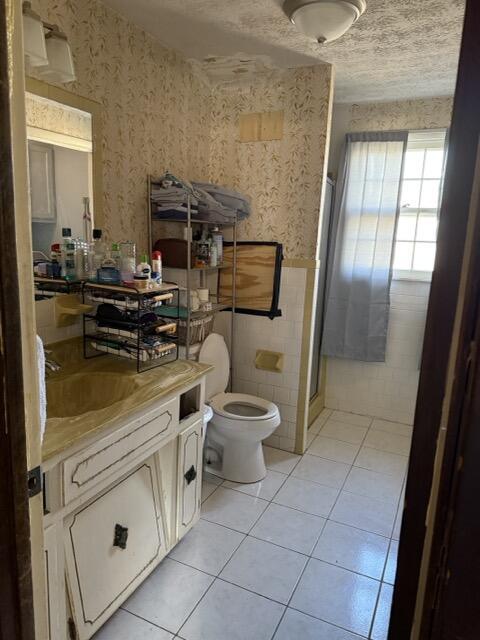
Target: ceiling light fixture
(324,20)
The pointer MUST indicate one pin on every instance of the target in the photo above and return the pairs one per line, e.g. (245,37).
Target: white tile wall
(282,334)
(45,320)
(386,390)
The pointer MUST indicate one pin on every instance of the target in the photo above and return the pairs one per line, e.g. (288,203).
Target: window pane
(406,226)
(410,193)
(403,255)
(414,163)
(430,193)
(433,163)
(427,227)
(424,257)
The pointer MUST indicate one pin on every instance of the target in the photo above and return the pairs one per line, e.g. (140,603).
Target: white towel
(42,387)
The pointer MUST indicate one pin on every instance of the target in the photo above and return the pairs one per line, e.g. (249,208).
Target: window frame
(422,139)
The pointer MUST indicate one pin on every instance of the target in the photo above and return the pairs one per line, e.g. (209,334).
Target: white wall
(385,390)
(282,334)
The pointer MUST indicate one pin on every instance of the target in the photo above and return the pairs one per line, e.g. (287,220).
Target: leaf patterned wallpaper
(282,177)
(155,109)
(425,113)
(159,113)
(45,114)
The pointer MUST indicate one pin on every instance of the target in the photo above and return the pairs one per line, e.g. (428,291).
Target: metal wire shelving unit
(190,221)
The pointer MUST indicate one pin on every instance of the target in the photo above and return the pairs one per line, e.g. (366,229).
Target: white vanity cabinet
(114,508)
(189,478)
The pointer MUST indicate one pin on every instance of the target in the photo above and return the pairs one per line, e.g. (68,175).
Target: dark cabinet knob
(190,475)
(120,537)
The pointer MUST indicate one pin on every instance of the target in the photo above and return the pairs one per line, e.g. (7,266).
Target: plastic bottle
(55,266)
(96,254)
(217,238)
(82,250)
(115,255)
(203,250)
(157,266)
(69,270)
(143,268)
(128,263)
(213,254)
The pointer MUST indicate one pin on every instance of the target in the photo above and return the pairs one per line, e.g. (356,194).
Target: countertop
(141,389)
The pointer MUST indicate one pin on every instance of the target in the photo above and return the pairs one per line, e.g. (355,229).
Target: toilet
(233,446)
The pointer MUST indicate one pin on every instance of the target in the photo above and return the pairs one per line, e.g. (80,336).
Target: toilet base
(241,462)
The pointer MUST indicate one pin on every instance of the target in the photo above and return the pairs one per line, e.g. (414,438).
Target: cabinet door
(42,181)
(111,545)
(189,477)
(55,582)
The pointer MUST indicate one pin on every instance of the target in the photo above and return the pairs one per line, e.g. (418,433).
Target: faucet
(50,363)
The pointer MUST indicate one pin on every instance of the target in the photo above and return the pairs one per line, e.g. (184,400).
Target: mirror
(64,165)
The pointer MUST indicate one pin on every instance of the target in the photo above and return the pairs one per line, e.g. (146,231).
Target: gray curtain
(362,240)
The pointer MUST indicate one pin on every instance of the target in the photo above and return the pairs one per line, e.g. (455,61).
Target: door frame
(16,585)
(436,424)
(23,608)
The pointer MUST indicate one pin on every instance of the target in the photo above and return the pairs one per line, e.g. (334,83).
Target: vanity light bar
(47,48)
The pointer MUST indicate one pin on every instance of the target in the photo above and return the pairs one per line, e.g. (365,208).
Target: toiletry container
(143,268)
(157,266)
(217,238)
(96,254)
(69,270)
(128,261)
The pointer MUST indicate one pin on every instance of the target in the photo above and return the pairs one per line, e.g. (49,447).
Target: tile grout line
(318,538)
(346,477)
(225,564)
(307,556)
(386,562)
(215,578)
(139,617)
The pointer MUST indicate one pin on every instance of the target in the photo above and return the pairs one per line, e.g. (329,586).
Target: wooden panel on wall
(272,126)
(261,127)
(249,127)
(255,276)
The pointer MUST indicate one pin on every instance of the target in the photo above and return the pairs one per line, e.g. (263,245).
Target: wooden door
(22,578)
(442,485)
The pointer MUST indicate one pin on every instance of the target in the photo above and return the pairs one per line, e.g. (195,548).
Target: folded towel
(42,387)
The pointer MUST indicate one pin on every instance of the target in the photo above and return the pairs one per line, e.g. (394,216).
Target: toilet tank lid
(214,351)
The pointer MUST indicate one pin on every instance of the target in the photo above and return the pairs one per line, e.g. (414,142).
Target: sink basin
(81,392)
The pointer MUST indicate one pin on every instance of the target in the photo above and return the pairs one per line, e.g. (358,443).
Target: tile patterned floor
(308,553)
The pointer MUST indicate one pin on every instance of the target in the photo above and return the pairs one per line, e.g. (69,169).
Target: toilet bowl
(233,447)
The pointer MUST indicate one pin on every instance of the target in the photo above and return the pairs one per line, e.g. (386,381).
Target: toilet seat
(244,407)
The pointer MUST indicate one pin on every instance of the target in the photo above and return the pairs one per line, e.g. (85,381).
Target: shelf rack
(140,330)
(188,222)
(46,287)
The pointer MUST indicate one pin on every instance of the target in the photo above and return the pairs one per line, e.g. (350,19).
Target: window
(420,195)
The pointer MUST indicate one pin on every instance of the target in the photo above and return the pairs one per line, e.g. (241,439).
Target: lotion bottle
(157,266)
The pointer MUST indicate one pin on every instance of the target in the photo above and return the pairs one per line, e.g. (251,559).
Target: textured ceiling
(398,49)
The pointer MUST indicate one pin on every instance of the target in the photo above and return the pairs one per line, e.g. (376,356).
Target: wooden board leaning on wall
(258,277)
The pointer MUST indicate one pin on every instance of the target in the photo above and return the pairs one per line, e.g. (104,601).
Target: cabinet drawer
(111,545)
(190,456)
(114,452)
